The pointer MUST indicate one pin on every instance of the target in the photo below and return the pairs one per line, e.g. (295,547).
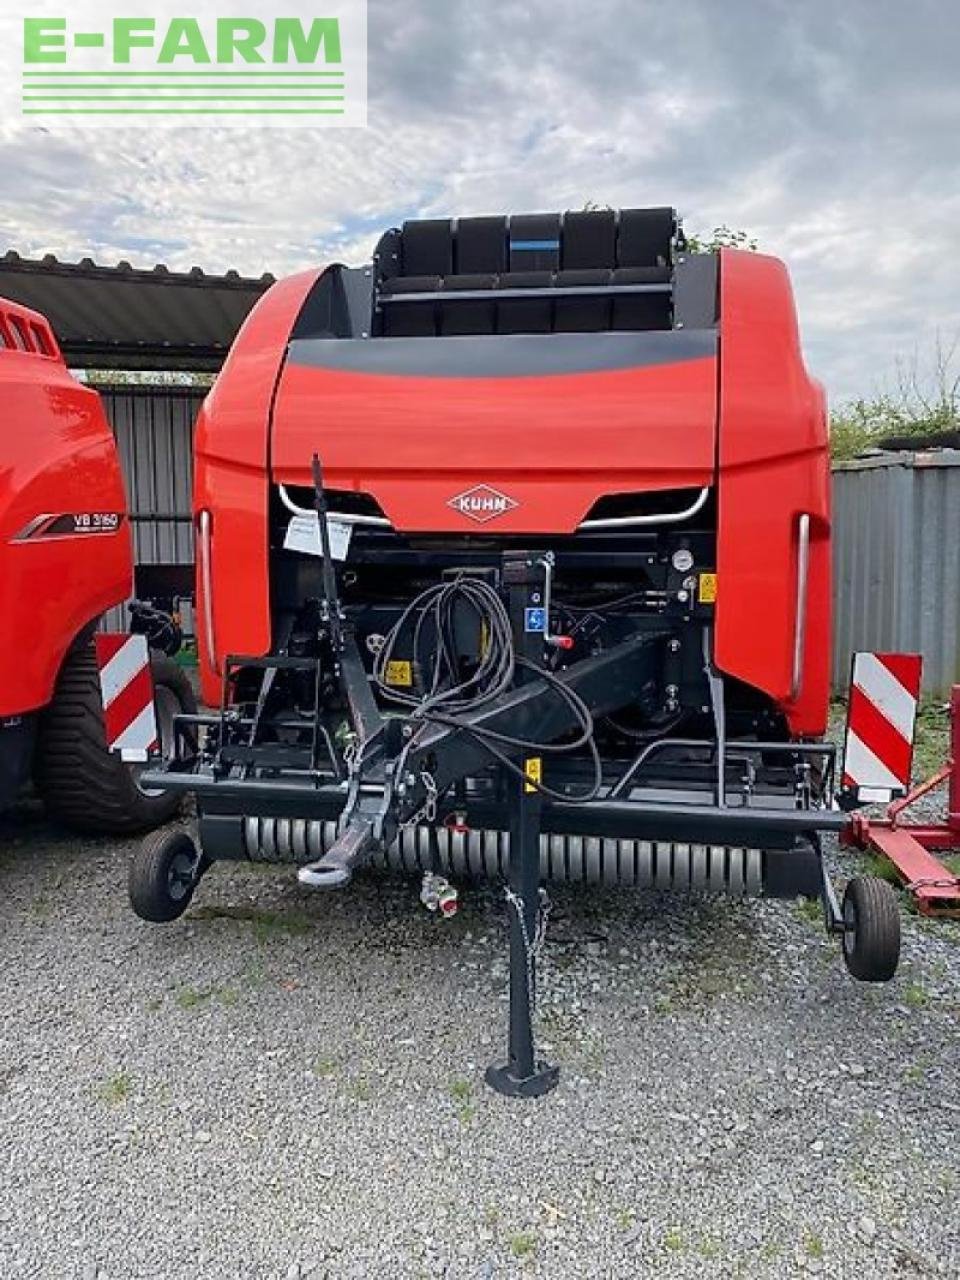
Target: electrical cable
(445,698)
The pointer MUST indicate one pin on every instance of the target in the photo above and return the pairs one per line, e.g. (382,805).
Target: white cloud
(827,131)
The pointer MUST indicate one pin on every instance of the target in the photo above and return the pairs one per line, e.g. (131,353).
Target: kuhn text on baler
(514,560)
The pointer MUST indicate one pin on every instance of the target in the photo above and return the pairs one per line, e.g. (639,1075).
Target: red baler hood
(552,422)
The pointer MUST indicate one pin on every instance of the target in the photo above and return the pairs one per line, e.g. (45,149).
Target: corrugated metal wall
(897,562)
(154,430)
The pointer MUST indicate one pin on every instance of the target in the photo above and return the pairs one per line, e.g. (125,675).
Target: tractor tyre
(871,929)
(84,785)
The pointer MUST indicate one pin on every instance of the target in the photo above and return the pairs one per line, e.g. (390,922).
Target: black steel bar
(364,711)
(237,661)
(330,593)
(739,824)
(718,707)
(743,748)
(605,682)
(701,823)
(553,291)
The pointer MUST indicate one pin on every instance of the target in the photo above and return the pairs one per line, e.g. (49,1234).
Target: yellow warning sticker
(400,674)
(533,769)
(707,589)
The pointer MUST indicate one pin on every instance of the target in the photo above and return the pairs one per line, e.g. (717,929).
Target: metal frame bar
(634,522)
(908,845)
(205,548)
(800,617)
(343,517)
(552,291)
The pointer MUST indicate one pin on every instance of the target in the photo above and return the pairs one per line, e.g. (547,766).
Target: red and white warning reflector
(126,686)
(882,714)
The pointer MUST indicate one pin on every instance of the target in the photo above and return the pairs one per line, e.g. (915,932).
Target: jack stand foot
(502,1079)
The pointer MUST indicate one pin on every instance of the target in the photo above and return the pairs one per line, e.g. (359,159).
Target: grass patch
(813,1246)
(195,997)
(267,925)
(932,740)
(360,1090)
(324,1067)
(915,995)
(875,864)
(117,1089)
(810,909)
(523,1244)
(460,1089)
(674,1240)
(191,997)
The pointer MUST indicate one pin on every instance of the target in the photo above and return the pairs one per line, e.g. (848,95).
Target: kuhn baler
(514,561)
(66,719)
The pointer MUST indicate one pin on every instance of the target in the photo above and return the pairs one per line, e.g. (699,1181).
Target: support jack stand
(523,1075)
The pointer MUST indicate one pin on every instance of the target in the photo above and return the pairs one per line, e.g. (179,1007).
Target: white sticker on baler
(303,534)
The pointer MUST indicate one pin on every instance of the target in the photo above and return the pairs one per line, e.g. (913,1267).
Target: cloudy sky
(829,130)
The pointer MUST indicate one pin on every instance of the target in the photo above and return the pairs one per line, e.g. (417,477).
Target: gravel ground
(287,1084)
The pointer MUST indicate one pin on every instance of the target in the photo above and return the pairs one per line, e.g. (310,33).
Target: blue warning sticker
(536,620)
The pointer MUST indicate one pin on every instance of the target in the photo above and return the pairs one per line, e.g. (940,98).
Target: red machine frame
(910,846)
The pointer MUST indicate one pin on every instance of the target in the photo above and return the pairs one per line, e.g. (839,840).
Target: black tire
(871,933)
(164,872)
(84,785)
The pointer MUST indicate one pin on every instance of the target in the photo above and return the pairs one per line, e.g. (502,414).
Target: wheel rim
(167,705)
(849,926)
(181,876)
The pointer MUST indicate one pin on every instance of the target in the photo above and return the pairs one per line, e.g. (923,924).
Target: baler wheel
(84,785)
(871,929)
(164,872)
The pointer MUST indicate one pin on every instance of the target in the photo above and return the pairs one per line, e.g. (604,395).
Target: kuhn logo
(481,503)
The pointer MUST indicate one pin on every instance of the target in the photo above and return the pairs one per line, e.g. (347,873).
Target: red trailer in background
(65,558)
(911,846)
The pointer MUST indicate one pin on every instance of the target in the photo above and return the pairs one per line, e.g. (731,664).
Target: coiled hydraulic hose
(446,698)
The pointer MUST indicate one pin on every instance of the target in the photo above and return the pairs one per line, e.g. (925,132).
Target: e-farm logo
(304,64)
